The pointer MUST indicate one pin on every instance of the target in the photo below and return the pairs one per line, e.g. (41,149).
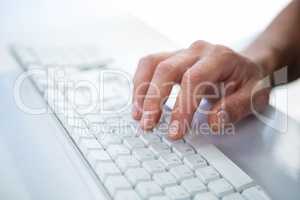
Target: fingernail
(146,120)
(173,131)
(136,111)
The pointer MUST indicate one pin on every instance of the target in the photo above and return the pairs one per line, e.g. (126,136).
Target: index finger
(165,76)
(142,78)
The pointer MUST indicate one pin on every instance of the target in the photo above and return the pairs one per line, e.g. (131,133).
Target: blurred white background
(183,21)
(223,22)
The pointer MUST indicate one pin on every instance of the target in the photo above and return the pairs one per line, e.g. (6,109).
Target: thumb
(235,107)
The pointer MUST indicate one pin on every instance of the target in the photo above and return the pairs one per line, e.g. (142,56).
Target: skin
(201,70)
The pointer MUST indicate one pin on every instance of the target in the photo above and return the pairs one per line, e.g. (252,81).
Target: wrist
(267,58)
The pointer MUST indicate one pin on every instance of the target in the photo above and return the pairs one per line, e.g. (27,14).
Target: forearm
(279,44)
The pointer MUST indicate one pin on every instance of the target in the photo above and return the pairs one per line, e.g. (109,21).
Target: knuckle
(221,49)
(199,44)
(190,78)
(165,67)
(147,61)
(223,53)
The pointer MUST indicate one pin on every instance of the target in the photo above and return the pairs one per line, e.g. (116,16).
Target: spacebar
(230,171)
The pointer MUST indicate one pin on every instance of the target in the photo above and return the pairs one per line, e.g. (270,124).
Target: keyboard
(129,162)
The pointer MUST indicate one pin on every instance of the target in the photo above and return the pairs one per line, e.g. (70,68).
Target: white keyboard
(130,163)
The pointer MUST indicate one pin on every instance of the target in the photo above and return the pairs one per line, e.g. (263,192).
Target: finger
(215,92)
(195,85)
(217,66)
(167,73)
(142,78)
(235,107)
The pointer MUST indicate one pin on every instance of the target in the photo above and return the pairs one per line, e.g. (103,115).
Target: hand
(201,69)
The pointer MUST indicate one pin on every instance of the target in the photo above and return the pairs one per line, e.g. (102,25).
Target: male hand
(201,69)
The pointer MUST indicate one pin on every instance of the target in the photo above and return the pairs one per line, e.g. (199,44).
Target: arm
(279,44)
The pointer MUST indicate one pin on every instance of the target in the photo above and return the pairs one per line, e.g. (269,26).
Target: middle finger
(167,73)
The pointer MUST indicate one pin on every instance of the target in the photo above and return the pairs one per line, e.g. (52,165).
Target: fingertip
(135,115)
(218,120)
(136,112)
(175,130)
(146,122)
(175,137)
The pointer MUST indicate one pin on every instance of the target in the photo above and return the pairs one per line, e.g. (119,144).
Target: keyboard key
(148,189)
(107,169)
(233,196)
(126,162)
(154,166)
(95,156)
(239,179)
(115,183)
(170,160)
(177,193)
(206,196)
(128,131)
(220,187)
(76,122)
(94,118)
(143,154)
(149,138)
(86,145)
(194,161)
(164,179)
(134,142)
(136,175)
(126,115)
(80,133)
(255,193)
(183,149)
(127,194)
(113,105)
(107,140)
(160,198)
(166,116)
(161,130)
(116,150)
(159,148)
(170,142)
(193,186)
(182,172)
(207,174)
